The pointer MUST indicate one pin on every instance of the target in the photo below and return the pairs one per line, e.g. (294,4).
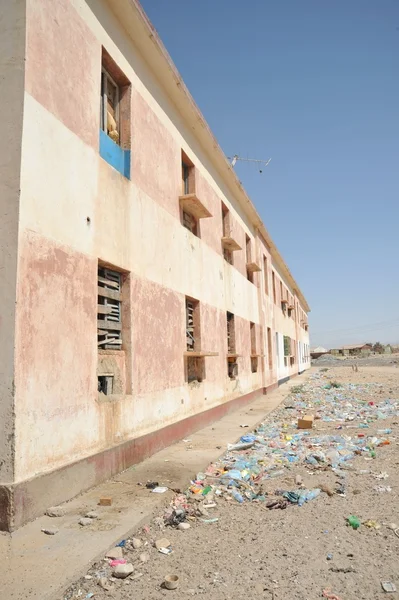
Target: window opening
(254,357)
(269,347)
(110,95)
(250,275)
(109,317)
(274,288)
(190,331)
(231,342)
(106,384)
(190,223)
(265,274)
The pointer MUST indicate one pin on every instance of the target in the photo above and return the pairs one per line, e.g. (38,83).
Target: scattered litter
(105,501)
(162,543)
(388,586)
(382,475)
(117,561)
(171,582)
(121,544)
(150,485)
(353,522)
(244,425)
(372,524)
(165,550)
(50,530)
(306,422)
(329,556)
(159,490)
(382,488)
(330,596)
(214,520)
(342,569)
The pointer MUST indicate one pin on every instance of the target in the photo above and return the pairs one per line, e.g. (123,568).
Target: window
(254,356)
(110,107)
(109,310)
(192,210)
(227,253)
(250,274)
(188,175)
(269,347)
(266,275)
(115,110)
(287,349)
(106,384)
(274,288)
(190,222)
(232,367)
(193,335)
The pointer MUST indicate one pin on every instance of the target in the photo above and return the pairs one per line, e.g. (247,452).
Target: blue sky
(314,84)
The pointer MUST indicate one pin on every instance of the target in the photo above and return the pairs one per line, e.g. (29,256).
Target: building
(141,295)
(317,352)
(353,350)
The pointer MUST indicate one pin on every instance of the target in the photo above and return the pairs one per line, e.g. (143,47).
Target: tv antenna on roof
(263,163)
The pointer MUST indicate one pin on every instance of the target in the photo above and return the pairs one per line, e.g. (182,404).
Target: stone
(116,552)
(123,571)
(56,511)
(183,526)
(136,543)
(259,588)
(85,521)
(88,577)
(298,480)
(162,543)
(50,530)
(104,583)
(144,557)
(92,515)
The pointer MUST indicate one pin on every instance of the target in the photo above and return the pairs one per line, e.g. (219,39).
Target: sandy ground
(282,554)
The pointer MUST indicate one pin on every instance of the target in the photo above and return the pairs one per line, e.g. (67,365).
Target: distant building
(317,352)
(353,350)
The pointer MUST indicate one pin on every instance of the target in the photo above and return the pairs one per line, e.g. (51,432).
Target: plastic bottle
(353,522)
(237,496)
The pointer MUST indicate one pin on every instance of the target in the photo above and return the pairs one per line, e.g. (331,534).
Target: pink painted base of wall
(29,499)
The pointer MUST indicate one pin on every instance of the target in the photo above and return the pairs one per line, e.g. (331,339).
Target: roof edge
(213,146)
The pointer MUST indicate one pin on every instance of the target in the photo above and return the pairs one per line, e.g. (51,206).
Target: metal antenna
(255,160)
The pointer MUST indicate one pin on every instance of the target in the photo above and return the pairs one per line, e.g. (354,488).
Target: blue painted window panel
(114,155)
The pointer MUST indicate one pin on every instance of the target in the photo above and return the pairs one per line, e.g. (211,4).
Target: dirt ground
(295,553)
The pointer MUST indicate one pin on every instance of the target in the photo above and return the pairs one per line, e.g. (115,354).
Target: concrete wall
(76,210)
(12,65)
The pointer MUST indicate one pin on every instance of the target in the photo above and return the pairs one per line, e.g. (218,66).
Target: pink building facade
(141,296)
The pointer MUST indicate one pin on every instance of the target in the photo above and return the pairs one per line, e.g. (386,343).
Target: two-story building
(141,296)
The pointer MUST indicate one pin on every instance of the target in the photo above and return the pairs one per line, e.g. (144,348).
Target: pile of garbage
(344,411)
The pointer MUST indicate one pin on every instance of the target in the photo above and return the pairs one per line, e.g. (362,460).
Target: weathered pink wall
(155,157)
(56,354)
(158,317)
(62,66)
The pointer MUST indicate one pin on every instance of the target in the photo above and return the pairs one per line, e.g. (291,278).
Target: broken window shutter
(109,314)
